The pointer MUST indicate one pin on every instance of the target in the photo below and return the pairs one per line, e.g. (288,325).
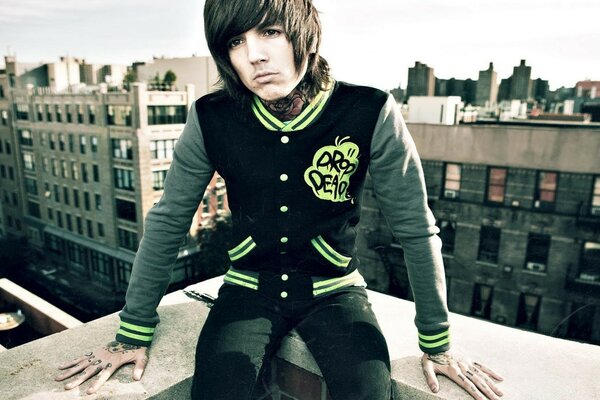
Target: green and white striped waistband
(320,285)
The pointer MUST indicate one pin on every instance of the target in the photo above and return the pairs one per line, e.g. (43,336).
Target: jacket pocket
(242,249)
(329,253)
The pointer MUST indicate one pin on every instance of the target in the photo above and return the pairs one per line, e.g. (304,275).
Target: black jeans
(245,327)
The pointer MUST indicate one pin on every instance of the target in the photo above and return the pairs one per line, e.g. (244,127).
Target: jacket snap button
(283,295)
(284,277)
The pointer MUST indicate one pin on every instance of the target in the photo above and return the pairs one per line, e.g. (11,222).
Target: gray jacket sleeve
(399,185)
(165,227)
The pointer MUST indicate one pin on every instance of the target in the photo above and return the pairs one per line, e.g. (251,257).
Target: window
(496,185)
(90,228)
(489,244)
(45,164)
(91,114)
(61,141)
(79,225)
(71,143)
(452,181)
(482,301)
(545,190)
(86,201)
(59,219)
(96,173)
(82,141)
(11,173)
(58,112)
(54,167)
(595,210)
(529,309)
(52,141)
(158,179)
(536,258)
(127,239)
(118,115)
(74,170)
(589,262)
(447,234)
(126,210)
(206,204)
(15,199)
(1,147)
(581,321)
(28,161)
(101,266)
(162,149)
(159,115)
(48,113)
(56,193)
(50,214)
(94,144)
(31,186)
(64,172)
(69,222)
(8,147)
(22,111)
(100,229)
(66,195)
(124,179)
(84,173)
(4,115)
(123,271)
(69,113)
(80,113)
(3,171)
(26,137)
(122,149)
(98,201)
(76,198)
(34,209)
(39,112)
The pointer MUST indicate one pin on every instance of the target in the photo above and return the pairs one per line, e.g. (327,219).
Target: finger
(86,362)
(454,373)
(479,382)
(102,378)
(69,364)
(489,371)
(140,366)
(87,374)
(487,380)
(429,372)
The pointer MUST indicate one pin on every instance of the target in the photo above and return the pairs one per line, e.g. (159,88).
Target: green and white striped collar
(309,115)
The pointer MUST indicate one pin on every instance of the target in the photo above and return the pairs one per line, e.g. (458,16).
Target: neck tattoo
(289,107)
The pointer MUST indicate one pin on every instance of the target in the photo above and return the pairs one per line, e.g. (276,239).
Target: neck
(289,107)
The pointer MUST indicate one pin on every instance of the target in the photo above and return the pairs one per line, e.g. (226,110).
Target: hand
(471,376)
(104,361)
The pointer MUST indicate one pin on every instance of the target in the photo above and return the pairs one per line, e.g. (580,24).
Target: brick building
(519,211)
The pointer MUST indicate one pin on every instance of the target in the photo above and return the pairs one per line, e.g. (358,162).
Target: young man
(294,147)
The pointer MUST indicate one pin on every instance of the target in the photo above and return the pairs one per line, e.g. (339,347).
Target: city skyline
(455,39)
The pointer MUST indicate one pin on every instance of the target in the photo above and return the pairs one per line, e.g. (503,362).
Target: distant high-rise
(487,87)
(540,90)
(465,89)
(520,88)
(504,89)
(421,81)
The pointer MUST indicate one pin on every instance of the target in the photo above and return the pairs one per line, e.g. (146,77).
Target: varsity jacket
(295,191)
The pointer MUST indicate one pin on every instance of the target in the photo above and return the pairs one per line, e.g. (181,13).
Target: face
(264,61)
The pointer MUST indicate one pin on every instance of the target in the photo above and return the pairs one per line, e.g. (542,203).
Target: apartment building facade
(519,212)
(93,163)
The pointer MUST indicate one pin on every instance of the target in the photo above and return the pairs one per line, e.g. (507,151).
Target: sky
(370,42)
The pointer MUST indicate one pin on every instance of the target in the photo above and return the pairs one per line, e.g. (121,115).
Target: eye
(233,43)
(271,32)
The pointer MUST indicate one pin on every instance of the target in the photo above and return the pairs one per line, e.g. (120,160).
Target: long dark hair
(224,19)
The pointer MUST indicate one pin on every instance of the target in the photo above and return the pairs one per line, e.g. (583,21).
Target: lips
(264,77)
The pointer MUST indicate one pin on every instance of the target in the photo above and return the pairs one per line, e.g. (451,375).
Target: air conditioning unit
(536,267)
(450,194)
(595,211)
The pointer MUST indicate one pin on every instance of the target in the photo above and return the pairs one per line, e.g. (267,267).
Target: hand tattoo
(441,358)
(118,347)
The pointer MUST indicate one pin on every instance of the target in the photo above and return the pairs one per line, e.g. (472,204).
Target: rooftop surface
(534,366)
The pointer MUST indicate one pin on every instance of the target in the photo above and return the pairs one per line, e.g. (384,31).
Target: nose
(256,50)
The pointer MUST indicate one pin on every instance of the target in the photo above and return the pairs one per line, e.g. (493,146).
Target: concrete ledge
(41,315)
(535,366)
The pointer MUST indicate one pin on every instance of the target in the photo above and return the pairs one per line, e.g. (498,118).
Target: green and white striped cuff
(434,342)
(135,333)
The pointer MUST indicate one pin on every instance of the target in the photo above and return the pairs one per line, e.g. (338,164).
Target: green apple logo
(329,175)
